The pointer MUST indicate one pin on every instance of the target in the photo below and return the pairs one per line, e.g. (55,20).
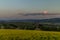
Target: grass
(7,34)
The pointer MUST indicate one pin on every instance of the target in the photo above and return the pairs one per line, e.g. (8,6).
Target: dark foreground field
(7,34)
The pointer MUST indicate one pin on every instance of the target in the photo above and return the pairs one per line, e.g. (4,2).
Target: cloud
(37,14)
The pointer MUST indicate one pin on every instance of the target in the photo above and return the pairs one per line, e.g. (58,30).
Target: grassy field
(28,35)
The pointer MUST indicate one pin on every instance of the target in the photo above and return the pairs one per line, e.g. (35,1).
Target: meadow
(14,34)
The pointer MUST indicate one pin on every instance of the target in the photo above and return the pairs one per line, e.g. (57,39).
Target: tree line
(30,26)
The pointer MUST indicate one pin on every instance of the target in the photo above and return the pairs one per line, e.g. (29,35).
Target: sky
(11,8)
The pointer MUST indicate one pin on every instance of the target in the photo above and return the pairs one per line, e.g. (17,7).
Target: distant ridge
(52,20)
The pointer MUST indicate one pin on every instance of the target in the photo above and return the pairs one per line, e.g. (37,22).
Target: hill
(52,20)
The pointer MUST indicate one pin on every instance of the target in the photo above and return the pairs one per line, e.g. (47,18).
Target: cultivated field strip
(28,35)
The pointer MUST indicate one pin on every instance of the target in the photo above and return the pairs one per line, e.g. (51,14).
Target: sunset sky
(11,8)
